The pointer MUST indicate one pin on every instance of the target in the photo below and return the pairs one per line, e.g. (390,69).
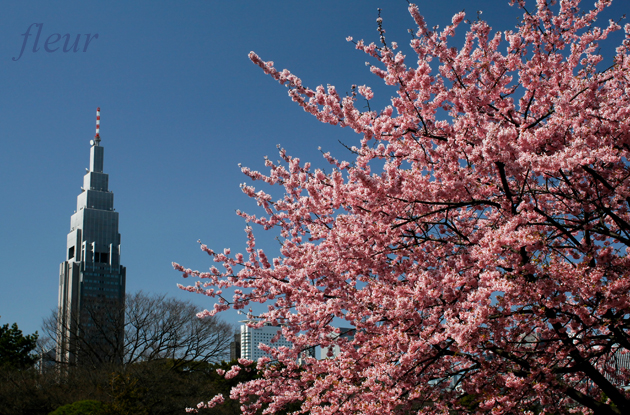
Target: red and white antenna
(97,136)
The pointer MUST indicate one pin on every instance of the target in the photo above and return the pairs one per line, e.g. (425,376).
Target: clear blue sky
(181,106)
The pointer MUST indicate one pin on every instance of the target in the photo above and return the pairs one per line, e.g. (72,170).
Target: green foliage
(246,374)
(127,396)
(163,387)
(169,386)
(217,384)
(470,402)
(86,407)
(16,350)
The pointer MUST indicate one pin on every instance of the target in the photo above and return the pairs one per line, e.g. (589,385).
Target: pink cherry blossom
(476,241)
(234,370)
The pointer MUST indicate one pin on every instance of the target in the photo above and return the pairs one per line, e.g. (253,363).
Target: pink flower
(366,91)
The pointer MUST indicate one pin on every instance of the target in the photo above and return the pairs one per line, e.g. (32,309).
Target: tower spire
(96,151)
(97,136)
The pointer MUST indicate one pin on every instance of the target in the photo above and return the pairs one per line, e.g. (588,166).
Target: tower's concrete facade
(91,279)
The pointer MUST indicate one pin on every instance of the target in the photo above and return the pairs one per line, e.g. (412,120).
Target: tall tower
(91,279)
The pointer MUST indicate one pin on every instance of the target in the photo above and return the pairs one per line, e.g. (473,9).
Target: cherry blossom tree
(476,241)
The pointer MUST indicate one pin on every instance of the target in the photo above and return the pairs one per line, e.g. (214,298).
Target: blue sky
(181,106)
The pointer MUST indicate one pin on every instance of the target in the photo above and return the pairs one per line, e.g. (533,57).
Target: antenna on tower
(97,136)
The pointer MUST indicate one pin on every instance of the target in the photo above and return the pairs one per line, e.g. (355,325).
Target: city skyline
(182,106)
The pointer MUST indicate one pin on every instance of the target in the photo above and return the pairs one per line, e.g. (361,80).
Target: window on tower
(71,252)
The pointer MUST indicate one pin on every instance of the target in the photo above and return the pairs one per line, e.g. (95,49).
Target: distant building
(620,362)
(344,332)
(46,362)
(307,353)
(251,338)
(235,347)
(91,278)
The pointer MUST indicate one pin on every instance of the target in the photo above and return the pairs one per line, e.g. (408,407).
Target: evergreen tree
(16,350)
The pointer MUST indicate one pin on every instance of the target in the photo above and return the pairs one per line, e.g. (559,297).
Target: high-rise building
(235,347)
(91,279)
(252,337)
